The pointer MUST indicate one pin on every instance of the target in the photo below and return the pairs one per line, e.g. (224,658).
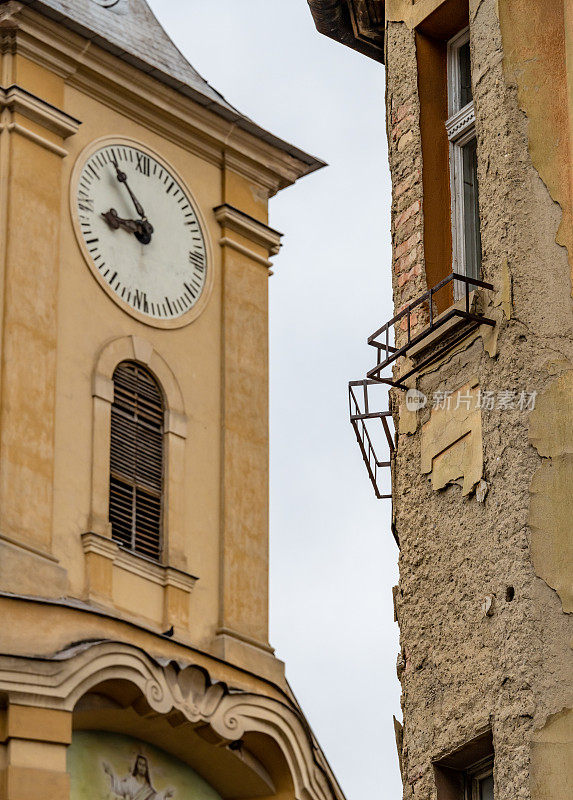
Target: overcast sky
(333,558)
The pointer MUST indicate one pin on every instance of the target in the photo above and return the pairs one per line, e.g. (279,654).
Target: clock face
(140,232)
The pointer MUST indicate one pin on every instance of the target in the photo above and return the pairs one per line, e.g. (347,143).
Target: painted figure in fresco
(137,785)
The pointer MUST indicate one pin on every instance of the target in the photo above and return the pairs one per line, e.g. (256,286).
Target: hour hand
(142,229)
(115,222)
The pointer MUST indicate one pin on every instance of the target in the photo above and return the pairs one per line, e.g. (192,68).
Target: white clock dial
(141,232)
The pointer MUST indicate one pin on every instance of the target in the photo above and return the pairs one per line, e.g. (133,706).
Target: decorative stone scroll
(166,686)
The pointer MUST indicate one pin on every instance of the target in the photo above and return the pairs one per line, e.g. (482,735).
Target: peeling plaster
(542,69)
(461,670)
(551,509)
(452,445)
(552,758)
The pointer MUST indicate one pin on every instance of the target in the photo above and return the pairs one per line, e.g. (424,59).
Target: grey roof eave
(333,18)
(222,109)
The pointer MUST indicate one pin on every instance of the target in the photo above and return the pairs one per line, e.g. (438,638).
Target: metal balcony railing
(468,320)
(358,418)
(440,335)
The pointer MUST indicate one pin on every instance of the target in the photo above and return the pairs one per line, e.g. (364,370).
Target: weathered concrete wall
(512,669)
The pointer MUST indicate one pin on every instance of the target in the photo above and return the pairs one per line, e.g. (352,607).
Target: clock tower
(134,261)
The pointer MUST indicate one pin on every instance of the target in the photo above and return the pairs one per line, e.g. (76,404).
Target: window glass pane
(486,788)
(472,238)
(465,75)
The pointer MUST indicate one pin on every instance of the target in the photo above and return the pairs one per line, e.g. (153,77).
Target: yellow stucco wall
(551,759)
(87,319)
(542,67)
(551,509)
(56,321)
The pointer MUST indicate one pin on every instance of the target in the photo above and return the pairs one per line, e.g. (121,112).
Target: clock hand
(141,228)
(147,228)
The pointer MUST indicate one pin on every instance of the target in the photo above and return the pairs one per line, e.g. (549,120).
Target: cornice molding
(164,64)
(163,109)
(13,127)
(60,681)
(242,637)
(99,545)
(226,241)
(20,101)
(4,539)
(252,229)
(27,106)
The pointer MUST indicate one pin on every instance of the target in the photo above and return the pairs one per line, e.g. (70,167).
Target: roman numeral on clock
(140,301)
(143,164)
(86,204)
(197,259)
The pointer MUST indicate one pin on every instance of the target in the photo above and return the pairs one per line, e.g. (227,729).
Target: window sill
(452,326)
(128,582)
(438,335)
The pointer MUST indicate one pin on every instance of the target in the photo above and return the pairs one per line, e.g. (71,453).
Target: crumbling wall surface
(462,669)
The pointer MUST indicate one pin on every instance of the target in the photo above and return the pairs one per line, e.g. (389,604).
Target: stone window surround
(97,542)
(133,348)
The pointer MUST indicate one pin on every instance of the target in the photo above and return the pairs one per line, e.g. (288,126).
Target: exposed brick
(405,140)
(406,184)
(404,277)
(410,243)
(406,230)
(407,124)
(414,317)
(403,166)
(404,263)
(403,110)
(407,213)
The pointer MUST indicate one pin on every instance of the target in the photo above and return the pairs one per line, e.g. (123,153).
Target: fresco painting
(110,766)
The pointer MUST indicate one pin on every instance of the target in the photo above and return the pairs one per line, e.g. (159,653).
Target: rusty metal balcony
(442,333)
(359,415)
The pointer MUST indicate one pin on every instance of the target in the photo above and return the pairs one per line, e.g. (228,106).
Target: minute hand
(122,178)
(144,236)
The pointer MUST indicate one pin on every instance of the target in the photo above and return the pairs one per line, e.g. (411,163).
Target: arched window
(136,463)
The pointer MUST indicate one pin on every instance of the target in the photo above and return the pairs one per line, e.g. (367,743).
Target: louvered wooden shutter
(136,480)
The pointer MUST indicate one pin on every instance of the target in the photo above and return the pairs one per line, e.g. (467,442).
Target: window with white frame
(467,773)
(479,781)
(460,126)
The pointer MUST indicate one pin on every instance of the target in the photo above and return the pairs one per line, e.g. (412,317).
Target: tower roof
(130,30)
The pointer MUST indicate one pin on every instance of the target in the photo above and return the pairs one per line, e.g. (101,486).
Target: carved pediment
(179,692)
